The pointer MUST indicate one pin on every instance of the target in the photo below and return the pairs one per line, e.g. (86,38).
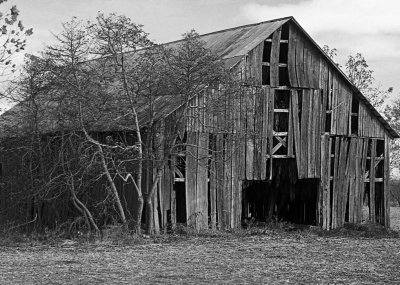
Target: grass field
(272,256)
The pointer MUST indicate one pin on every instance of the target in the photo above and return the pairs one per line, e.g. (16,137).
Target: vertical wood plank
(173,193)
(234,184)
(305,116)
(307,65)
(300,62)
(271,105)
(334,115)
(311,132)
(358,181)
(344,180)
(316,70)
(250,135)
(227,180)
(213,186)
(290,130)
(156,221)
(363,169)
(335,183)
(264,139)
(327,186)
(191,178)
(296,127)
(318,133)
(258,126)
(274,63)
(320,196)
(202,183)
(386,182)
(242,133)
(219,176)
(352,161)
(372,183)
(292,56)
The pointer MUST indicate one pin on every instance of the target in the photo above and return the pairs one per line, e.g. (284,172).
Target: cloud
(352,16)
(367,26)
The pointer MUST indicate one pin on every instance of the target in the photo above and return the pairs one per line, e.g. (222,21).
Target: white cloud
(371,27)
(351,16)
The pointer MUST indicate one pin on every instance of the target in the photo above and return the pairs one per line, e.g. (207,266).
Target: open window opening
(267,51)
(283,53)
(354,115)
(282,98)
(380,158)
(284,76)
(265,75)
(179,188)
(266,70)
(179,168)
(285,32)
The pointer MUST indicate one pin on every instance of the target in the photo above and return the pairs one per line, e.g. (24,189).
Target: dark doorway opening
(267,200)
(179,188)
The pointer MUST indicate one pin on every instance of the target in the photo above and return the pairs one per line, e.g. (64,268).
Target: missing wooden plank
(281,122)
(283,52)
(354,124)
(282,98)
(267,51)
(355,103)
(284,76)
(328,119)
(265,73)
(380,148)
(285,32)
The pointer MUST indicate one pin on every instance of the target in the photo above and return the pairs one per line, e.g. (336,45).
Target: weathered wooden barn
(305,143)
(299,142)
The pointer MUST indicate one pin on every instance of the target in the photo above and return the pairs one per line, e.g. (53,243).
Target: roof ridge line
(229,29)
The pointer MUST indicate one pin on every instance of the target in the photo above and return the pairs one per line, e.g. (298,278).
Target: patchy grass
(395,218)
(264,258)
(279,253)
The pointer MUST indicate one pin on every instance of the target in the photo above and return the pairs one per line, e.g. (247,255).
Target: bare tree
(97,93)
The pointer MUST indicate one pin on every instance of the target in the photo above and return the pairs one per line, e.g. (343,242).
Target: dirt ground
(273,257)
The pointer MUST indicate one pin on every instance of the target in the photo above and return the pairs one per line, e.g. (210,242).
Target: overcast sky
(371,27)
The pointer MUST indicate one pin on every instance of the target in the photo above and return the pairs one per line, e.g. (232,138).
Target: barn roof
(234,43)
(231,45)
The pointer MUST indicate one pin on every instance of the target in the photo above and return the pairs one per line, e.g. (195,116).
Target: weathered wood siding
(293,104)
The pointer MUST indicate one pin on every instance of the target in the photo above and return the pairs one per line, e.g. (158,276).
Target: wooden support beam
(372,199)
(386,181)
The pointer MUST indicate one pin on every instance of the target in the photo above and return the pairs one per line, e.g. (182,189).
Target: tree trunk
(113,188)
(149,215)
(138,215)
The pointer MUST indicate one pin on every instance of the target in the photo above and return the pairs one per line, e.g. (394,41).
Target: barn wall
(295,104)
